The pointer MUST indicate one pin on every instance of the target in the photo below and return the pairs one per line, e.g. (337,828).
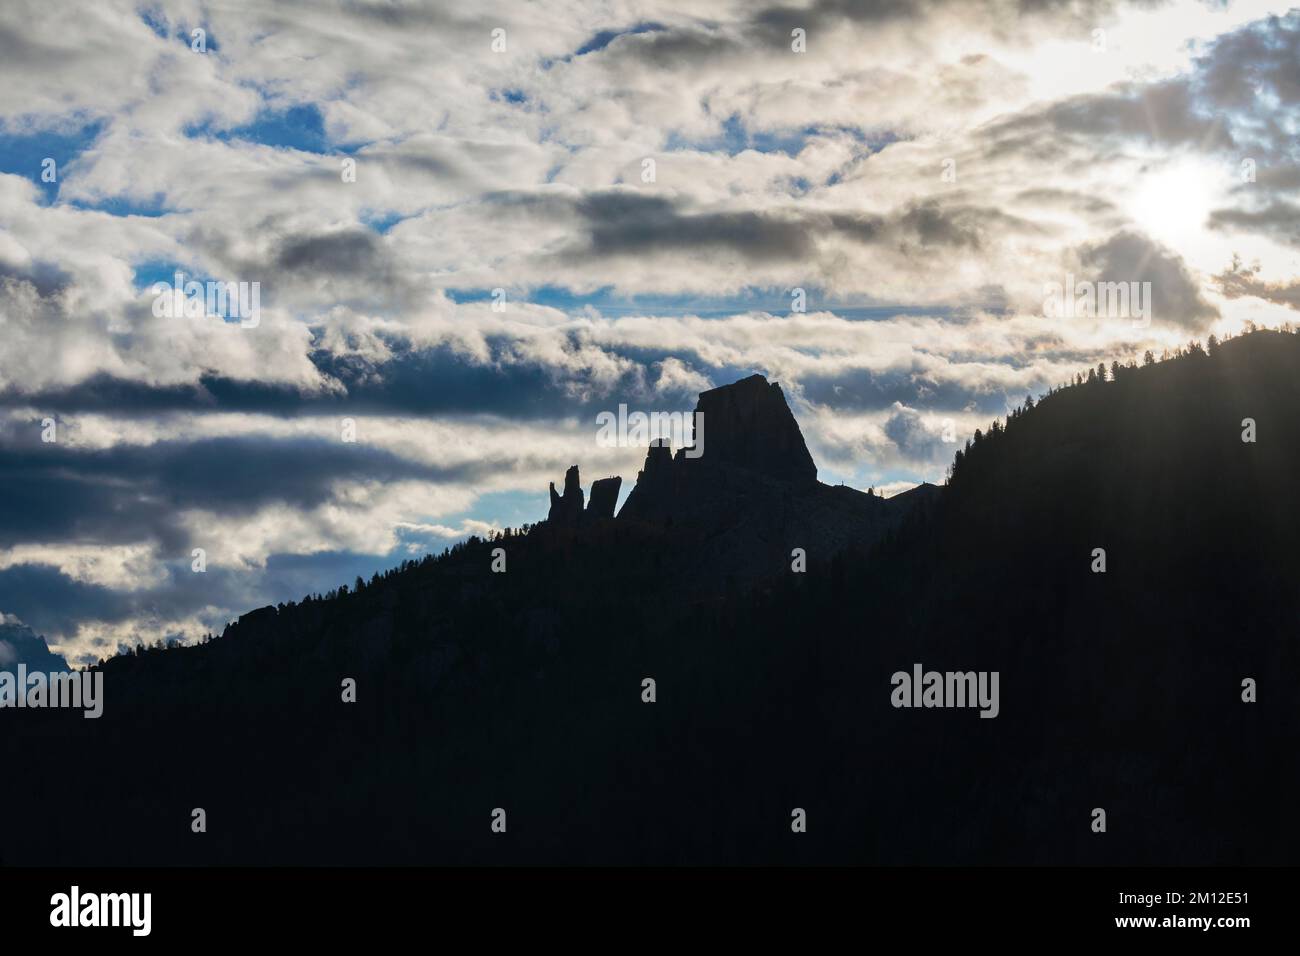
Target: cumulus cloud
(1176,295)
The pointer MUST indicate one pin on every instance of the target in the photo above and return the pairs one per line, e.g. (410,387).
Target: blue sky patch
(736,137)
(382,222)
(149,274)
(605,37)
(22,154)
(124,206)
(298,127)
(517,97)
(156,21)
(774,301)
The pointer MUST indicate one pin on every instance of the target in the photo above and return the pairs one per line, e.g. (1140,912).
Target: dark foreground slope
(523,690)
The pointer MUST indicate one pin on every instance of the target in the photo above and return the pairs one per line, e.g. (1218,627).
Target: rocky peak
(567,508)
(19,644)
(746,460)
(604,497)
(748,424)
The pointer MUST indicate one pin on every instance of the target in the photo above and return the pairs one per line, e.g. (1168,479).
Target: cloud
(916,436)
(1239,281)
(1176,296)
(1280,219)
(1167,113)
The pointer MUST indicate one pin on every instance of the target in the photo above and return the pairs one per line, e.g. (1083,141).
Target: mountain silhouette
(524,687)
(742,498)
(19,644)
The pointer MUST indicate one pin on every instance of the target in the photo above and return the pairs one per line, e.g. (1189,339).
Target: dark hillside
(522,690)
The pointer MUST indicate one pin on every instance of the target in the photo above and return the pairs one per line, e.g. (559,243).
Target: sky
(475,227)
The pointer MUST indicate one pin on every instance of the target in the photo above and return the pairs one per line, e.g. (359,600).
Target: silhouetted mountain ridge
(523,689)
(19,644)
(742,497)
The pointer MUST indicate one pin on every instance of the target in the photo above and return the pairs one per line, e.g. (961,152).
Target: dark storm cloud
(508,383)
(628,223)
(935,226)
(623,223)
(824,14)
(50,602)
(130,493)
(432,382)
(929,223)
(44,501)
(353,263)
(1244,69)
(425,163)
(129,398)
(18,51)
(773,24)
(1132,257)
(47,278)
(399,15)
(351,252)
(906,429)
(674,49)
(1163,114)
(1279,220)
(1241,96)
(866,390)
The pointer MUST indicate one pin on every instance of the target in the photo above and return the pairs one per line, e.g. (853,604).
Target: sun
(1172,203)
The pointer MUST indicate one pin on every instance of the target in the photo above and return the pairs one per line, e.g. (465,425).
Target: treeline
(1099,374)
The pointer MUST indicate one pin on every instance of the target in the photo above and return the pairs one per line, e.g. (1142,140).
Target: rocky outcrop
(566,509)
(742,497)
(604,498)
(749,425)
(747,493)
(19,644)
